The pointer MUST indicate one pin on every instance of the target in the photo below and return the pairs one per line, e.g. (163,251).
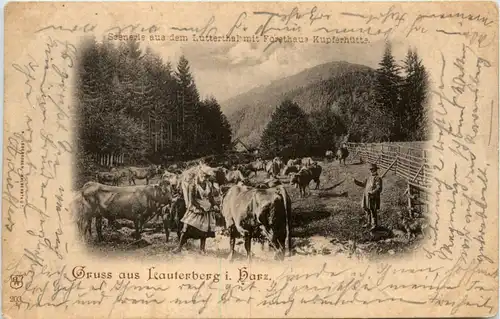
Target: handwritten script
(462,276)
(324,286)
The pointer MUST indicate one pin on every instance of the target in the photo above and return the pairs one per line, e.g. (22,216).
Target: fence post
(399,152)
(410,209)
(424,153)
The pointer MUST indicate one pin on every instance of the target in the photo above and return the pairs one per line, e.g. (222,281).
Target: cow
(342,154)
(112,178)
(248,211)
(176,168)
(135,203)
(146,173)
(273,168)
(172,216)
(329,155)
(256,166)
(279,162)
(290,169)
(81,212)
(245,169)
(293,162)
(172,180)
(167,175)
(302,179)
(234,177)
(272,182)
(226,164)
(307,161)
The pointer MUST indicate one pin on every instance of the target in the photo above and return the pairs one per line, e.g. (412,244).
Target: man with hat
(371,196)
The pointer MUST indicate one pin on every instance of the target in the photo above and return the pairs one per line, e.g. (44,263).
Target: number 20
(15,299)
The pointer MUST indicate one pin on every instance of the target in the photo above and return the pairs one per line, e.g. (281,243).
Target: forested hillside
(132,104)
(366,105)
(335,86)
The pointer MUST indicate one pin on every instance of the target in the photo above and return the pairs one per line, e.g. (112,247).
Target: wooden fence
(407,160)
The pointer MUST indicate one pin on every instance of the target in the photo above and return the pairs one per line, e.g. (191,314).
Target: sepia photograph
(250,160)
(329,159)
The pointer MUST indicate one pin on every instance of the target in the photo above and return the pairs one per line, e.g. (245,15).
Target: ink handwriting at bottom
(380,283)
(239,293)
(128,294)
(374,285)
(197,297)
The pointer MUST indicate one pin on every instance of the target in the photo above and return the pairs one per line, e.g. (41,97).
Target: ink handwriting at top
(288,21)
(460,16)
(462,20)
(239,24)
(473,36)
(206,29)
(132,28)
(88,28)
(368,31)
(383,17)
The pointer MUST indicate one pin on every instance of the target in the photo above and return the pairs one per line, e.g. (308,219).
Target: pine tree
(387,97)
(132,103)
(327,129)
(288,131)
(414,98)
(188,102)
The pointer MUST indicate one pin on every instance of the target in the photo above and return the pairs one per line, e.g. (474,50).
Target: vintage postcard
(250,160)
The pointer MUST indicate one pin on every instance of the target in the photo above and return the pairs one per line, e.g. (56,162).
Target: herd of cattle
(249,209)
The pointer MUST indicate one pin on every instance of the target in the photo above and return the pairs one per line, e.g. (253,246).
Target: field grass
(326,222)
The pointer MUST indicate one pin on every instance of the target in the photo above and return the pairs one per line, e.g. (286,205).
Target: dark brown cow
(248,211)
(290,169)
(171,179)
(305,176)
(135,203)
(172,216)
(255,166)
(342,154)
(146,173)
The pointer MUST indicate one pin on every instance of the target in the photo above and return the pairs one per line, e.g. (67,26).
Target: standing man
(371,196)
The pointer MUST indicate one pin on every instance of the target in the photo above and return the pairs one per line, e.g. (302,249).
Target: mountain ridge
(249,112)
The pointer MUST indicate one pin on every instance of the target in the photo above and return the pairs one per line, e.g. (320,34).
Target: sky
(226,70)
